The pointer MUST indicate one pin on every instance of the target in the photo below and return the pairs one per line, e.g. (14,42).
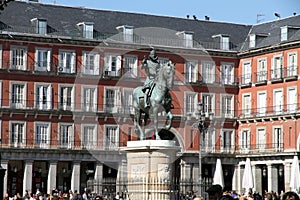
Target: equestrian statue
(154,96)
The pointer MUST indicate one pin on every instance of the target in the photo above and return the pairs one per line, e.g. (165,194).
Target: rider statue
(151,67)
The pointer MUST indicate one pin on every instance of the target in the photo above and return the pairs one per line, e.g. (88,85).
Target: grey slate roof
(271,32)
(63,20)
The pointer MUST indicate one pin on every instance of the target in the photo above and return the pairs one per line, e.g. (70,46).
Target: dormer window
(224,41)
(87,29)
(40,26)
(127,32)
(252,41)
(255,39)
(284,33)
(187,37)
(287,32)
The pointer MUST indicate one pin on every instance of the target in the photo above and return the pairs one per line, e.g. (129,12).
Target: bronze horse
(160,99)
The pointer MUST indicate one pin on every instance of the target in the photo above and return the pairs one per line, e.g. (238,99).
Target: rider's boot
(146,101)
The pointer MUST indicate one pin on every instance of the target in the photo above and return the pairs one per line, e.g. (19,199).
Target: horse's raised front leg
(155,121)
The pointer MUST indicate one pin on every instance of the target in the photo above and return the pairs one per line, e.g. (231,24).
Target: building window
(43,60)
(66,98)
(208,101)
(191,71)
(43,97)
(261,139)
(188,40)
(19,58)
(261,70)
(284,33)
(90,63)
(66,61)
(111,137)
(112,100)
(42,135)
(112,65)
(252,39)
(261,103)
(130,66)
(66,135)
(126,32)
(87,29)
(89,99)
(227,140)
(291,99)
(17,134)
(227,106)
(227,71)
(40,25)
(18,95)
(224,42)
(278,101)
(209,140)
(246,105)
(191,100)
(89,136)
(247,72)
(276,71)
(245,140)
(128,101)
(277,138)
(292,69)
(208,72)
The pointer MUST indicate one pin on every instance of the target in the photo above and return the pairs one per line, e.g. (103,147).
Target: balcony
(194,78)
(290,73)
(276,75)
(246,80)
(271,111)
(260,78)
(57,144)
(260,148)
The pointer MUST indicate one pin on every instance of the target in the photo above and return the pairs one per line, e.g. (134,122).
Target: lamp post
(202,127)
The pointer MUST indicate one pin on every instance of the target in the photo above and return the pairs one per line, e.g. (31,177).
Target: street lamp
(202,127)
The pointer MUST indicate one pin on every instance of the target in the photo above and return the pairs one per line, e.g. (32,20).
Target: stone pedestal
(150,169)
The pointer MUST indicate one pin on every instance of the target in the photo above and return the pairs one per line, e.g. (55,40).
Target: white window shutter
(222,140)
(107,65)
(73,63)
(70,136)
(48,60)
(232,144)
(118,65)
(84,63)
(40,106)
(49,97)
(96,63)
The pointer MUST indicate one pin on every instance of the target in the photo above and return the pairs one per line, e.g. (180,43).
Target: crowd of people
(70,195)
(222,195)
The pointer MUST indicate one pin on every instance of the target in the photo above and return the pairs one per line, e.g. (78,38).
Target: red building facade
(66,97)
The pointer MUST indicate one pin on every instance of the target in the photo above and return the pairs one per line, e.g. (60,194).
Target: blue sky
(235,11)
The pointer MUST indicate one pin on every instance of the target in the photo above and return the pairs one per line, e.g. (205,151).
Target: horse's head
(167,72)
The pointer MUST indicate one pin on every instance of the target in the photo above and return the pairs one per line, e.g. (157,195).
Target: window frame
(93,104)
(22,103)
(191,71)
(18,58)
(63,65)
(72,96)
(107,141)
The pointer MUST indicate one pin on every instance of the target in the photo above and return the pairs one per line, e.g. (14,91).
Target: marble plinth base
(150,169)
